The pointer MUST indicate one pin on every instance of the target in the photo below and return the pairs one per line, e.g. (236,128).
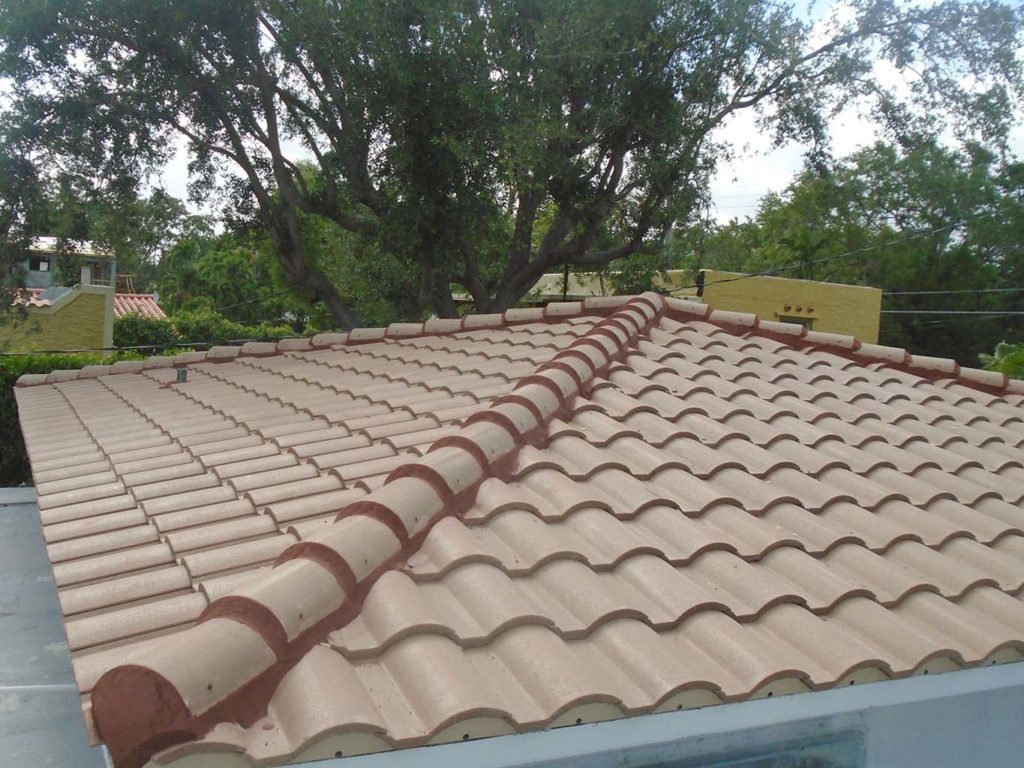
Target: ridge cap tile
(450,469)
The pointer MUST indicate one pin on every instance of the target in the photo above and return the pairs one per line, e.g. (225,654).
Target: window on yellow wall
(806,322)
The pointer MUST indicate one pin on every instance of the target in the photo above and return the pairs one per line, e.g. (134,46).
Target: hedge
(144,332)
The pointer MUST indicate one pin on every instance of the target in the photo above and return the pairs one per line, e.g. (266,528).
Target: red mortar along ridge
(138,711)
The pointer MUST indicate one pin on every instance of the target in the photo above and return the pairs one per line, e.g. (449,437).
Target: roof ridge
(553,312)
(934,369)
(246,640)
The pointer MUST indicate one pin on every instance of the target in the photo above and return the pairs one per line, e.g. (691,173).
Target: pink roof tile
(31,297)
(458,529)
(143,304)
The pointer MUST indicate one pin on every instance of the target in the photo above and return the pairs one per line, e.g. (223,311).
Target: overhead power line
(963,290)
(182,345)
(274,295)
(990,312)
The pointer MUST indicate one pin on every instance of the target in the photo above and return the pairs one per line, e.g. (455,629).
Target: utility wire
(957,320)
(988,312)
(253,301)
(182,345)
(963,290)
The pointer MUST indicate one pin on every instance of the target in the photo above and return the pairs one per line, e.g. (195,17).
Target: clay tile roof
(137,304)
(417,534)
(31,297)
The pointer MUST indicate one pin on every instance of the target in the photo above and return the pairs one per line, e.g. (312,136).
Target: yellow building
(854,310)
(64,318)
(79,318)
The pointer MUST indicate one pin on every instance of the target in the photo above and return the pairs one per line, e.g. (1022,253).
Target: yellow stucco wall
(832,307)
(81,320)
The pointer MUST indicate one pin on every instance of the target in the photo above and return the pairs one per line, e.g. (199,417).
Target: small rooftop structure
(95,265)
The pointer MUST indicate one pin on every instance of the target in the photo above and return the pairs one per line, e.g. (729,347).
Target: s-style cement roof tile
(463,528)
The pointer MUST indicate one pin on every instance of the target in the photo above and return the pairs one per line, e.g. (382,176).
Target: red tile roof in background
(31,297)
(456,529)
(143,304)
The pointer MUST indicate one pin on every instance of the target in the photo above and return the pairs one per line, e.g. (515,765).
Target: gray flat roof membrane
(40,718)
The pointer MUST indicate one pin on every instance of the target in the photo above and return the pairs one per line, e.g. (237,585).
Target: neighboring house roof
(31,297)
(449,530)
(138,304)
(50,244)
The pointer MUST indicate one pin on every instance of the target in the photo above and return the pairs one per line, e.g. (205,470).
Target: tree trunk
(444,302)
(317,281)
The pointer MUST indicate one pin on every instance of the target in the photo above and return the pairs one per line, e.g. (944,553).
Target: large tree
(482,142)
(938,229)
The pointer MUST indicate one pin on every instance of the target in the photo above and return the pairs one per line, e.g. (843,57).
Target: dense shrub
(13,460)
(147,333)
(198,324)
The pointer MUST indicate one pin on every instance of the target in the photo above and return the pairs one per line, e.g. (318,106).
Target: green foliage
(1007,358)
(232,273)
(479,143)
(139,231)
(917,219)
(199,323)
(144,332)
(378,285)
(20,195)
(14,469)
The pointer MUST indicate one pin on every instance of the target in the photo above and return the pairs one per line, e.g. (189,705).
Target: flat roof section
(40,720)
